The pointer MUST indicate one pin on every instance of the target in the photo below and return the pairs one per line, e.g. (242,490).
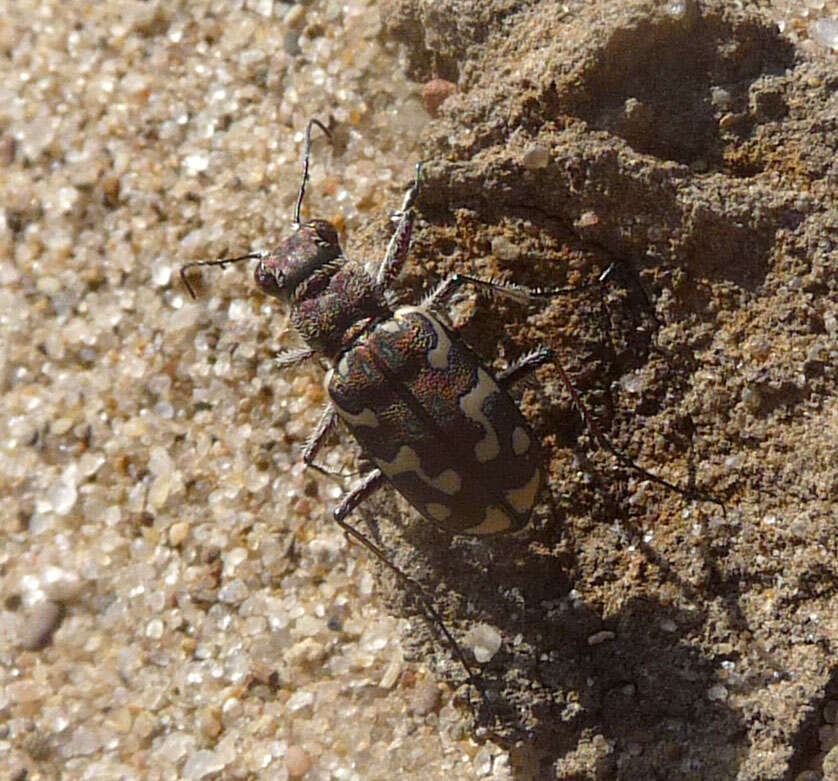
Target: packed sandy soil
(177,603)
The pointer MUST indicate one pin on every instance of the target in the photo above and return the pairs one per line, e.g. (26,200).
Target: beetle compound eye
(327,233)
(270,281)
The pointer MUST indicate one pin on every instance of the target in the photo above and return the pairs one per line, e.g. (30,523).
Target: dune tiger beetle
(435,422)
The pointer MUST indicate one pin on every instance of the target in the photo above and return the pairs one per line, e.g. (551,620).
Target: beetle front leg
(400,241)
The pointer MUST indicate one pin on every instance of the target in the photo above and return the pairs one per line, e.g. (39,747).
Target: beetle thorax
(332,318)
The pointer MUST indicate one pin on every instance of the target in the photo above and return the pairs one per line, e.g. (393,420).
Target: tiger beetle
(435,422)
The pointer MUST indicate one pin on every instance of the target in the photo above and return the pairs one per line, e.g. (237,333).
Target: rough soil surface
(175,600)
(646,635)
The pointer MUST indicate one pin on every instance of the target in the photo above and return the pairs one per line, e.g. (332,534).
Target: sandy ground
(176,602)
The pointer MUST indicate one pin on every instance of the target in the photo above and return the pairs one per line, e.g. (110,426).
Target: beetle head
(306,254)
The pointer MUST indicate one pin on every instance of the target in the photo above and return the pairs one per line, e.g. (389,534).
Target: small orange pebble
(435,92)
(297,761)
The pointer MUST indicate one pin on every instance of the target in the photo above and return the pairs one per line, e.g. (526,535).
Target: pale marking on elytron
(495,519)
(439,512)
(438,356)
(389,326)
(406,460)
(343,366)
(520,441)
(448,482)
(472,405)
(522,499)
(366,417)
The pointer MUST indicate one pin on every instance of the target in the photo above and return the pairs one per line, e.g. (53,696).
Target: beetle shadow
(567,669)
(629,687)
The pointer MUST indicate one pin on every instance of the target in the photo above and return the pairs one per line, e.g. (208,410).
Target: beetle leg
(315,442)
(508,289)
(605,444)
(400,241)
(293,357)
(361,491)
(518,370)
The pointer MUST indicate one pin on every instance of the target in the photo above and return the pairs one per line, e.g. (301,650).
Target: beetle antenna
(306,153)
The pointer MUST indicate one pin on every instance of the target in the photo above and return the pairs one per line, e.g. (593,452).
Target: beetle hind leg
(361,491)
(527,363)
(605,444)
